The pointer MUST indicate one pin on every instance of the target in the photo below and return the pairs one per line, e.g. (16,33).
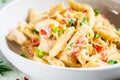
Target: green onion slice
(56,29)
(71,22)
(35,31)
(97,36)
(40,53)
(112,62)
(83,21)
(70,46)
(96,11)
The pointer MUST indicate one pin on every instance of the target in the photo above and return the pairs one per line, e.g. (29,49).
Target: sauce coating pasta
(77,36)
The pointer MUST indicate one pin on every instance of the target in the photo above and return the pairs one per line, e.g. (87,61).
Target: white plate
(17,11)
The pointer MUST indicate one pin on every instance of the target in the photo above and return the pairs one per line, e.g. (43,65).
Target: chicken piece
(17,36)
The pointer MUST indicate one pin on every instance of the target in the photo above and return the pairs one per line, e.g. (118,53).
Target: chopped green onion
(96,11)
(112,62)
(70,46)
(118,29)
(71,23)
(56,29)
(115,62)
(81,23)
(97,36)
(4,1)
(40,53)
(23,55)
(84,20)
(35,31)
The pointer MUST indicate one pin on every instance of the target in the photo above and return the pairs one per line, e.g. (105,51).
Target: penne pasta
(54,61)
(61,42)
(37,59)
(69,61)
(57,8)
(77,36)
(29,34)
(17,36)
(84,8)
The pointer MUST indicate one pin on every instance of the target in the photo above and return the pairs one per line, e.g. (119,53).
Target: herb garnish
(97,36)
(71,23)
(96,11)
(112,62)
(70,46)
(40,53)
(35,31)
(4,1)
(56,29)
(3,68)
(84,20)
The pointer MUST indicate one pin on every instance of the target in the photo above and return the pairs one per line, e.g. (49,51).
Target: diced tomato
(63,21)
(43,32)
(78,47)
(103,15)
(104,57)
(74,54)
(44,18)
(85,11)
(34,42)
(69,9)
(98,48)
(81,40)
(78,42)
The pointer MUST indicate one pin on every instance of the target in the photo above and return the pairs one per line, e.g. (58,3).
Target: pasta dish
(78,36)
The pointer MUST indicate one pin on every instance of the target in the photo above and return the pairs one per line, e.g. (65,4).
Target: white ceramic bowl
(17,11)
